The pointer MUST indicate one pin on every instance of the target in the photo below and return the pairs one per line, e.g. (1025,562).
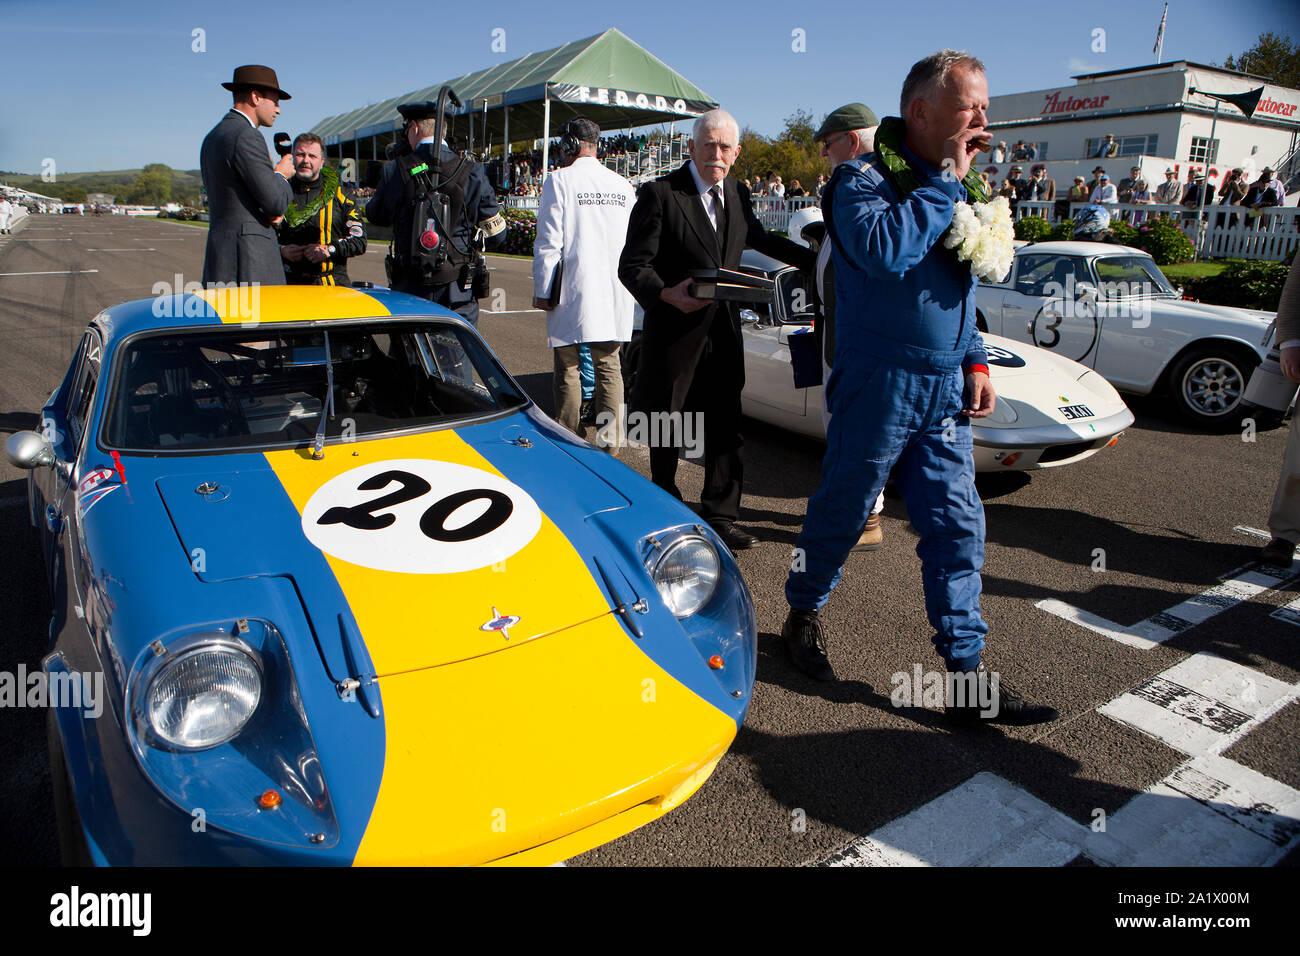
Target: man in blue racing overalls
(910,372)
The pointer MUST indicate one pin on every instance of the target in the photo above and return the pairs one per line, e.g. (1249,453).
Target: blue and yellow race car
(329,589)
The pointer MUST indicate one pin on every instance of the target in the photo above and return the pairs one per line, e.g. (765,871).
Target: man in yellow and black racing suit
(322,227)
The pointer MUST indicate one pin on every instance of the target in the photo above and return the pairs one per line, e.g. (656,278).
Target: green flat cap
(853,116)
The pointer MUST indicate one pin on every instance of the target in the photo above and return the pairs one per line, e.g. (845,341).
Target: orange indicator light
(716,662)
(1010,459)
(270,800)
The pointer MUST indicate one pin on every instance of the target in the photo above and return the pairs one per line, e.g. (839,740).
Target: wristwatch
(330,250)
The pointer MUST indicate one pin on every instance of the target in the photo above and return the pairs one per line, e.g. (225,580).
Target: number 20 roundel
(416,516)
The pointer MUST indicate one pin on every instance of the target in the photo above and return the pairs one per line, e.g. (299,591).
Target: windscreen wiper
(318,446)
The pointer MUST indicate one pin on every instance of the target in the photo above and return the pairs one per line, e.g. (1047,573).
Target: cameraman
(322,228)
(448,269)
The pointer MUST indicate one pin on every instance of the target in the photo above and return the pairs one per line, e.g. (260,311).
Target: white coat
(582,219)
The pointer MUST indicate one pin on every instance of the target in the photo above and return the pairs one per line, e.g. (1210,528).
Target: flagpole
(1160,40)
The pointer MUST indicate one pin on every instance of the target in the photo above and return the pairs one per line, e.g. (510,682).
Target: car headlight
(1098,385)
(216,715)
(686,574)
(1004,413)
(204,696)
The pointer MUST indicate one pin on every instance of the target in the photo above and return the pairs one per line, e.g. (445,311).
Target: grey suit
(244,194)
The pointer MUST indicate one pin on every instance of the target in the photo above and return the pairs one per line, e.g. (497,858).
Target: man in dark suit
(247,196)
(692,357)
(1040,187)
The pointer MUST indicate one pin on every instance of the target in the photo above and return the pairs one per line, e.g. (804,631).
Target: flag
(1160,33)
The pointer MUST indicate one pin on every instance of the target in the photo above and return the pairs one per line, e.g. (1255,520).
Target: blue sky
(97,85)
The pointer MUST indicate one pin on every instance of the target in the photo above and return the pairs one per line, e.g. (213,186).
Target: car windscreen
(1131,276)
(202,389)
(1050,276)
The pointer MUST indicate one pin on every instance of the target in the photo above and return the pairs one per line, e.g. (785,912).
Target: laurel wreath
(296,215)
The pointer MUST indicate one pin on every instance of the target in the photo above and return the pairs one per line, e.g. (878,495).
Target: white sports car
(1049,411)
(1111,308)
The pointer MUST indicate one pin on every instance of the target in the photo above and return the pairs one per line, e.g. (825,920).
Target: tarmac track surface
(1185,746)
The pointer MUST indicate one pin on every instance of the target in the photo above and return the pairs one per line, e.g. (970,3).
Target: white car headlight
(204,696)
(1098,385)
(686,574)
(1004,413)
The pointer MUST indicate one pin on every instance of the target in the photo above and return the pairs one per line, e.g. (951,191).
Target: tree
(68,192)
(799,130)
(792,155)
(152,187)
(1273,57)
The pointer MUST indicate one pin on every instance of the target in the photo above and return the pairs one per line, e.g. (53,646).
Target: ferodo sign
(627,99)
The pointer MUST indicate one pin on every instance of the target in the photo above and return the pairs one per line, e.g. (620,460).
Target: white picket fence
(1229,232)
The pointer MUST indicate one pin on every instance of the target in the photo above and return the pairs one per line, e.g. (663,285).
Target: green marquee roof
(606,78)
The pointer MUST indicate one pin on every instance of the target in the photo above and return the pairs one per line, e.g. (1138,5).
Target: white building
(1157,122)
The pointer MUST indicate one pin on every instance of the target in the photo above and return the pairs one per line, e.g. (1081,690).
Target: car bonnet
(439,554)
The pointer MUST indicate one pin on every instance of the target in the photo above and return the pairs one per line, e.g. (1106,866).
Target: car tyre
(72,837)
(1207,384)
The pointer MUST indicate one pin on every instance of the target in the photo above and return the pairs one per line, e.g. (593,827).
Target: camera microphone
(282,141)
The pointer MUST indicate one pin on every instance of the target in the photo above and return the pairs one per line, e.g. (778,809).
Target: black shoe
(733,537)
(1011,708)
(802,633)
(1279,553)
(587,416)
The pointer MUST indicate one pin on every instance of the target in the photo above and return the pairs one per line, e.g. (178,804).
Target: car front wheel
(1207,384)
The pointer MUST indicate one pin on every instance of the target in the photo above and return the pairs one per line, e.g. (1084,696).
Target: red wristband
(977,368)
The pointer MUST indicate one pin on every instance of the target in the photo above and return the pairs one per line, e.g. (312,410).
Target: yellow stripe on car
(498,746)
(288,303)
(506,753)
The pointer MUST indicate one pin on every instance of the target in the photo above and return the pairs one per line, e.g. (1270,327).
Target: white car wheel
(1208,384)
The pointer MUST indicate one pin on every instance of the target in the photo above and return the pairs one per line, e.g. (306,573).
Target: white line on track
(986,821)
(1202,705)
(1209,811)
(132,249)
(512,312)
(66,272)
(46,240)
(1246,529)
(1159,627)
(1289,612)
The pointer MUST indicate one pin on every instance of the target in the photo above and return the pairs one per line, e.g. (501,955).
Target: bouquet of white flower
(982,236)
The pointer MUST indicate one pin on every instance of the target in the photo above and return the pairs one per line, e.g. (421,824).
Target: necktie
(716,193)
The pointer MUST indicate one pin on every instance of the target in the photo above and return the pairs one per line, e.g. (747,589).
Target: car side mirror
(1086,290)
(28,450)
(750,317)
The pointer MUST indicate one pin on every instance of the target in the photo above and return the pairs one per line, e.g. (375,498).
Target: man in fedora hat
(246,194)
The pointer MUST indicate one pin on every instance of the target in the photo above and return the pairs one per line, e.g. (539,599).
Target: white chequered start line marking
(1245,584)
(1209,811)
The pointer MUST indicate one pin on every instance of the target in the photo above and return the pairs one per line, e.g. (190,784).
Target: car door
(1137,339)
(769,380)
(1047,306)
(79,410)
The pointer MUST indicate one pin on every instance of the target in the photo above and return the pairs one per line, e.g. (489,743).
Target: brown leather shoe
(1279,552)
(871,536)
